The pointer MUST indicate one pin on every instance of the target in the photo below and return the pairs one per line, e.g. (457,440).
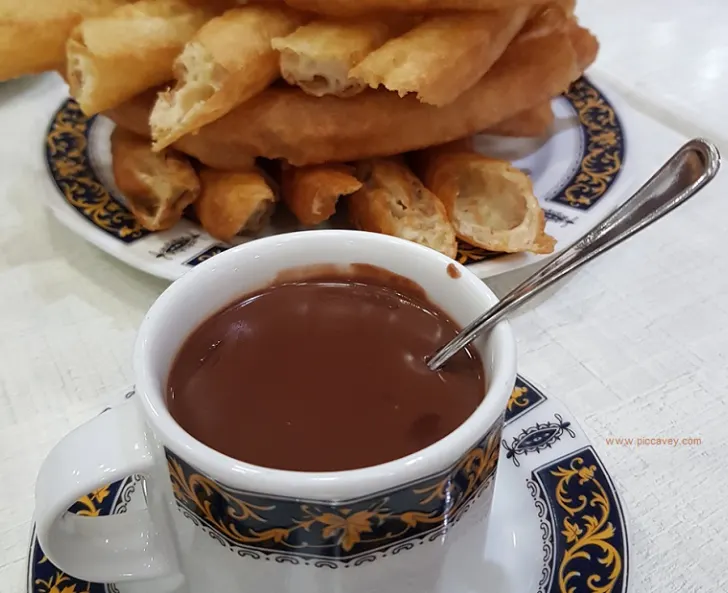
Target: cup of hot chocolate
(288,430)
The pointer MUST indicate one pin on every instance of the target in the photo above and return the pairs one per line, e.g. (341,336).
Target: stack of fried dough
(226,109)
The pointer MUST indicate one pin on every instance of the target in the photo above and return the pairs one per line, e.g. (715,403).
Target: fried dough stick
(157,186)
(112,58)
(532,123)
(218,5)
(349,8)
(228,61)
(312,193)
(318,56)
(585,44)
(490,203)
(234,202)
(394,202)
(33,33)
(443,56)
(133,115)
(304,130)
(548,18)
(536,122)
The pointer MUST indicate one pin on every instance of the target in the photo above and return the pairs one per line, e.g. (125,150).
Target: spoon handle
(684,174)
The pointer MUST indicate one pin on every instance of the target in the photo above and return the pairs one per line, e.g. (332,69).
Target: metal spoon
(681,177)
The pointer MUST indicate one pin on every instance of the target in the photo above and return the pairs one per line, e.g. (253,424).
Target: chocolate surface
(323,374)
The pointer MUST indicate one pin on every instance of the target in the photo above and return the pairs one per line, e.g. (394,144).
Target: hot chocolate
(323,373)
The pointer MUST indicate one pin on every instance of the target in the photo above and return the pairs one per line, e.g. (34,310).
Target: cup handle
(115,548)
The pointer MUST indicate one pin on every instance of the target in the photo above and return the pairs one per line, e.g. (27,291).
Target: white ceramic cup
(214,523)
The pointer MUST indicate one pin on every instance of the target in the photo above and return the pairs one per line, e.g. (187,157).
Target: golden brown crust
(157,186)
(490,203)
(133,115)
(532,123)
(229,60)
(112,58)
(442,57)
(394,202)
(312,193)
(547,19)
(586,45)
(461,145)
(344,8)
(33,33)
(286,123)
(317,57)
(220,5)
(234,202)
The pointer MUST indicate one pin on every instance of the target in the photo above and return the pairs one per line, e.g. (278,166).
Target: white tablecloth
(636,345)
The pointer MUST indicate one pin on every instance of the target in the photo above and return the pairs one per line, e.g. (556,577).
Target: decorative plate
(557,524)
(574,173)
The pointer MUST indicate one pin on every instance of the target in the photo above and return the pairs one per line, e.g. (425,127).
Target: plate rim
(70,217)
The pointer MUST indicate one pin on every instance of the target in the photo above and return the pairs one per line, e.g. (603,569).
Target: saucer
(577,174)
(557,523)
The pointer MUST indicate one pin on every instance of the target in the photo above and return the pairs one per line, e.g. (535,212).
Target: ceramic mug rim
(339,485)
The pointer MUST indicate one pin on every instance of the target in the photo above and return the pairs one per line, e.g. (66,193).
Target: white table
(636,345)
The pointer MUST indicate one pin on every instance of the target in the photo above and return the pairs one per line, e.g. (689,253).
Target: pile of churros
(227,110)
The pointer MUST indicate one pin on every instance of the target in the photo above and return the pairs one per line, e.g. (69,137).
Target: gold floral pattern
(90,505)
(523,398)
(517,400)
(604,152)
(573,494)
(587,517)
(336,531)
(345,527)
(585,531)
(71,168)
(59,583)
(50,579)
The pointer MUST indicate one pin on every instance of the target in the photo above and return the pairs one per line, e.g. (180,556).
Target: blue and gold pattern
(207,254)
(604,147)
(576,500)
(73,172)
(523,398)
(336,533)
(585,546)
(68,159)
(46,578)
(599,165)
